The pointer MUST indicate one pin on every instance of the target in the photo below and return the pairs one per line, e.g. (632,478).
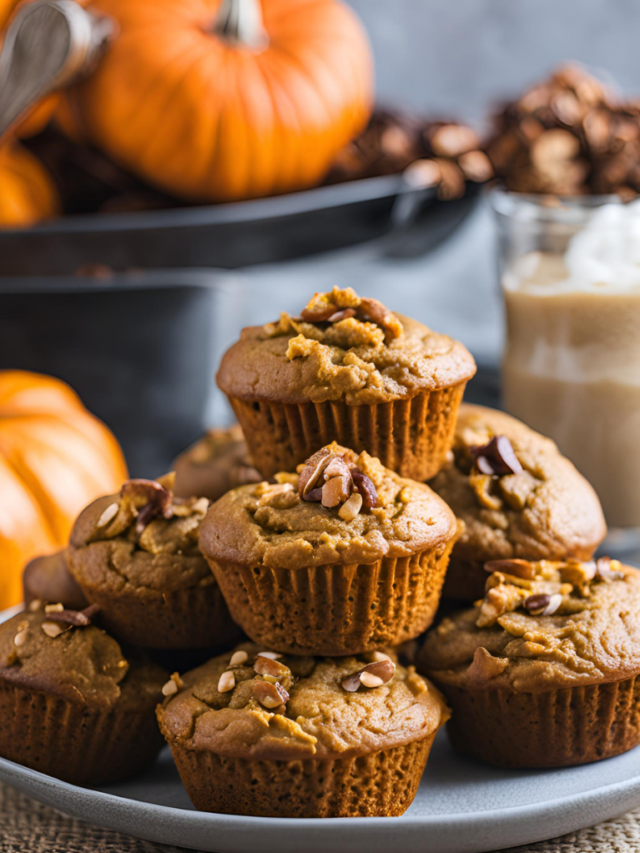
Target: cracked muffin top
(62,653)
(260,705)
(515,492)
(340,507)
(542,626)
(144,539)
(216,463)
(342,347)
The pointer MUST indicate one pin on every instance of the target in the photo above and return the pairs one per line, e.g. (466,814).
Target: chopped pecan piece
(77,618)
(496,458)
(372,675)
(269,695)
(605,570)
(364,486)
(270,669)
(519,568)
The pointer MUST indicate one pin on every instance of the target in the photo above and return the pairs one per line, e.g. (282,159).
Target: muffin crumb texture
(542,626)
(297,707)
(342,347)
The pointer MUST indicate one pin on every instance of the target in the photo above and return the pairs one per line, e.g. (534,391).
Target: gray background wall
(456,57)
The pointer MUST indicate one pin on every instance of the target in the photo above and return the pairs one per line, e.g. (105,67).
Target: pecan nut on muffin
(72,703)
(348,370)
(543,671)
(517,497)
(216,463)
(136,555)
(342,558)
(49,579)
(259,733)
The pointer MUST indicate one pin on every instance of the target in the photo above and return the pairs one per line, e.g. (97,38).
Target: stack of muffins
(311,529)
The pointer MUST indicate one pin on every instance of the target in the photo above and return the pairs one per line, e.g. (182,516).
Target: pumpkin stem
(240,22)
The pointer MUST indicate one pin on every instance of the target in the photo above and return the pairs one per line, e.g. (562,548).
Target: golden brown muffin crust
(590,635)
(128,554)
(320,718)
(548,511)
(216,463)
(49,579)
(82,665)
(258,524)
(381,358)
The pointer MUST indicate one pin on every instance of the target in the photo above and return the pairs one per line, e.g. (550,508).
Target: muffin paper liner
(559,728)
(76,743)
(411,437)
(377,784)
(194,618)
(335,609)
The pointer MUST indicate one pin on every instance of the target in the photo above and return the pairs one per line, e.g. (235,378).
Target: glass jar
(570,274)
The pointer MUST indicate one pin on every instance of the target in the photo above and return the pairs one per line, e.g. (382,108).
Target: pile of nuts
(334,481)
(541,588)
(431,153)
(568,136)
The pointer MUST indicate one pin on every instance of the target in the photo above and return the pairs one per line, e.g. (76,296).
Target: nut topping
(226,682)
(272,655)
(270,669)
(518,568)
(108,515)
(269,695)
(328,477)
(373,675)
(238,658)
(21,637)
(170,688)
(76,618)
(351,507)
(52,629)
(53,608)
(496,458)
(606,571)
(35,605)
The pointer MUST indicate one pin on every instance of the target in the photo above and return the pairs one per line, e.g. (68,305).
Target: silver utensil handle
(47,45)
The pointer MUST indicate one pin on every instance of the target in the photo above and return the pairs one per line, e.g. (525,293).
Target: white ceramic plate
(462,807)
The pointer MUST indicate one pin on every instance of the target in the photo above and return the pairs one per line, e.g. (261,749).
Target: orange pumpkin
(28,193)
(55,458)
(223,101)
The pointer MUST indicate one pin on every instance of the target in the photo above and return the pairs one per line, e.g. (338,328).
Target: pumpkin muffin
(49,579)
(342,558)
(543,671)
(73,704)
(517,497)
(216,463)
(258,733)
(347,370)
(136,555)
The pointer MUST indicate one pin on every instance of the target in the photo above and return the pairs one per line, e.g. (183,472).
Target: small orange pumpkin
(219,101)
(55,457)
(28,193)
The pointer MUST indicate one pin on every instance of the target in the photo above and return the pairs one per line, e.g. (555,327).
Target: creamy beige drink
(572,360)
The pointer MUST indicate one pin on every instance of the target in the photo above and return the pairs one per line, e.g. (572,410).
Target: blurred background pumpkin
(55,457)
(28,192)
(222,101)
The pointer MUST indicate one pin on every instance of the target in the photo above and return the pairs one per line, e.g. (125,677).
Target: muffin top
(49,579)
(542,626)
(279,707)
(219,461)
(143,540)
(61,653)
(515,492)
(340,507)
(342,347)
